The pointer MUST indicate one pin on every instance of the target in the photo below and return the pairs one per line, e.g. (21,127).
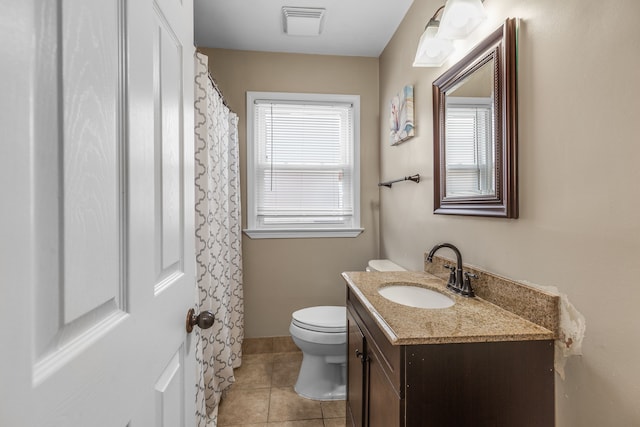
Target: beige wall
(579,225)
(283,275)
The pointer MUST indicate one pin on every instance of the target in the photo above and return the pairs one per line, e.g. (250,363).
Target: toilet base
(339,393)
(319,380)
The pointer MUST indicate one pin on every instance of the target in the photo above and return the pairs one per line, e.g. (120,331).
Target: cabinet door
(384,404)
(356,369)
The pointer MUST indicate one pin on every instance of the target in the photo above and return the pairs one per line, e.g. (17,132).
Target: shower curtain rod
(215,86)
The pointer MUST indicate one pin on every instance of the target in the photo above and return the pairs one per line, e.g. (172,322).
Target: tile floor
(263,394)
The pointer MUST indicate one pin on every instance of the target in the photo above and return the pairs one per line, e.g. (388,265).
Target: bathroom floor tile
(246,425)
(285,374)
(334,409)
(286,405)
(301,423)
(287,357)
(335,422)
(244,406)
(257,345)
(255,372)
(258,358)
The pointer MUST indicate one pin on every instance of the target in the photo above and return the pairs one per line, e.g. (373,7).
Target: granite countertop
(468,320)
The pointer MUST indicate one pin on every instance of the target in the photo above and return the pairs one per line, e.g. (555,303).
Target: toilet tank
(383,265)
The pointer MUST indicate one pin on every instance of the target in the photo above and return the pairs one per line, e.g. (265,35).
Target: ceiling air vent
(302,21)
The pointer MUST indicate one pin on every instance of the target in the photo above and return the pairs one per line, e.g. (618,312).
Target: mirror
(475,130)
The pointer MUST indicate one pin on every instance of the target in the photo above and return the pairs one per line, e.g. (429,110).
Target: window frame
(254,228)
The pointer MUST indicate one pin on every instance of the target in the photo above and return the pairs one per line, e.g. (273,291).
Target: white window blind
(469,154)
(304,169)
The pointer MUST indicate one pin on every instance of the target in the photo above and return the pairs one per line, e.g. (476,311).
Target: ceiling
(351,27)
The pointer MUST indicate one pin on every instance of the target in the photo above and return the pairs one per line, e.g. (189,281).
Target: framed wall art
(401,116)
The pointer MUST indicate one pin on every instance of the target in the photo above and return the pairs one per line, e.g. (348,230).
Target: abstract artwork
(401,117)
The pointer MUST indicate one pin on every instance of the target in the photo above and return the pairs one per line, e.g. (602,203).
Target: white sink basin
(414,296)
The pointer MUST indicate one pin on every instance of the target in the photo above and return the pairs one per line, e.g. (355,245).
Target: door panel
(169,393)
(80,292)
(93,105)
(168,78)
(81,288)
(384,403)
(161,177)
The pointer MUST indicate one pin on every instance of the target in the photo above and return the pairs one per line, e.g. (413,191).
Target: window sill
(302,233)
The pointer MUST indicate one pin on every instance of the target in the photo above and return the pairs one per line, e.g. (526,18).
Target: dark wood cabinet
(372,398)
(461,384)
(356,373)
(384,402)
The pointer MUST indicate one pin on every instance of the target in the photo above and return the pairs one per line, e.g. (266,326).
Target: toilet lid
(322,318)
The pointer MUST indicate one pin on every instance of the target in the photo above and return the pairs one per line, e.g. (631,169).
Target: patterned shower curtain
(218,244)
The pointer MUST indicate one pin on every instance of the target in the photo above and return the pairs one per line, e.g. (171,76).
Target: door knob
(204,320)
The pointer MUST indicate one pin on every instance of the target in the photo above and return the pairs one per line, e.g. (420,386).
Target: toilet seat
(328,319)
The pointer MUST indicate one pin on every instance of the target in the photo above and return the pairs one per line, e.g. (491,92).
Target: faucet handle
(467,290)
(452,275)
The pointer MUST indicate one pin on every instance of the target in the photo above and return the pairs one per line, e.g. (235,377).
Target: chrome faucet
(459,282)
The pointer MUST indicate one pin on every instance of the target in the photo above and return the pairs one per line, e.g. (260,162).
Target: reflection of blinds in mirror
(469,153)
(304,162)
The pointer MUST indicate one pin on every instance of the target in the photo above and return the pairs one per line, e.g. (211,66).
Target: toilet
(321,334)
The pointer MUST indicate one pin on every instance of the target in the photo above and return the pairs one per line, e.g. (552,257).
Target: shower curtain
(218,244)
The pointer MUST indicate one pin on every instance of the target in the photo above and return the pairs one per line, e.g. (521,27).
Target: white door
(96,213)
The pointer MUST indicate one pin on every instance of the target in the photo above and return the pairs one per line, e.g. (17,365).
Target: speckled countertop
(468,320)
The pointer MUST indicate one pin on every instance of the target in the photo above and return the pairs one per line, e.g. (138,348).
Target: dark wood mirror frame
(501,47)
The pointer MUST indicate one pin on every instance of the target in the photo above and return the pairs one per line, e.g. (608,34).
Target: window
(470,151)
(302,165)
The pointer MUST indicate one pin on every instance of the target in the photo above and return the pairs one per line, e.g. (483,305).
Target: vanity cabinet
(357,373)
(508,383)
(373,399)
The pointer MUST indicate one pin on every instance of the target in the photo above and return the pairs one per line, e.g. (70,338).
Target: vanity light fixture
(432,51)
(459,19)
